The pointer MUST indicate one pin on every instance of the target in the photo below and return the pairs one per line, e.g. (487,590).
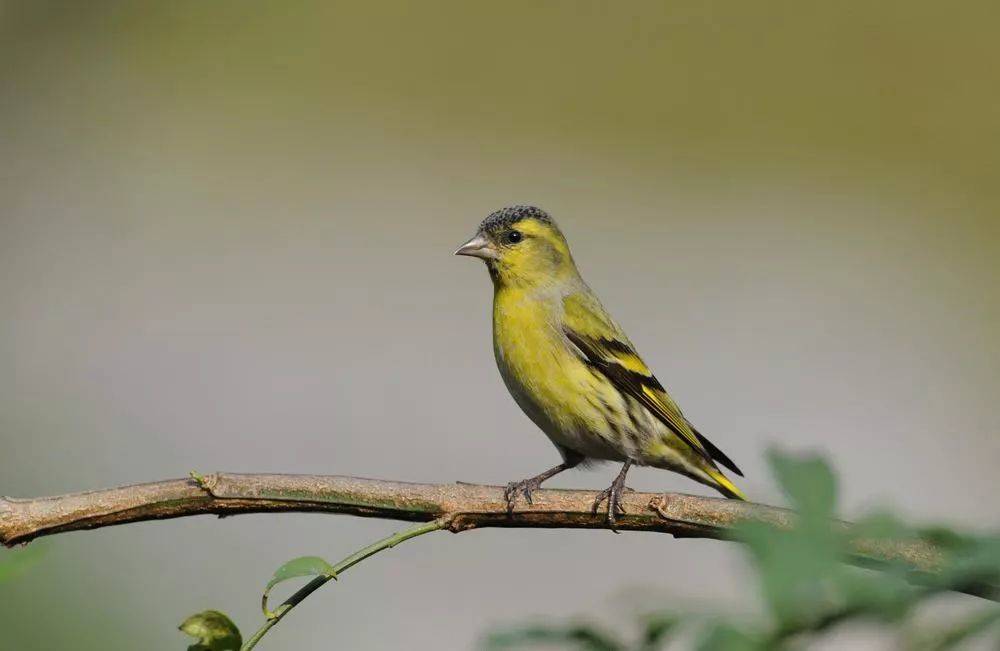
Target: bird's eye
(513,237)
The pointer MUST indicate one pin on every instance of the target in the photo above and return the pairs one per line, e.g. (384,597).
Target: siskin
(571,368)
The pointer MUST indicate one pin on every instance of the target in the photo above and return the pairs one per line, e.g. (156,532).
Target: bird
(572,369)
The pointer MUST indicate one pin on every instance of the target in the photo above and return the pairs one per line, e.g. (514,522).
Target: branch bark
(467,506)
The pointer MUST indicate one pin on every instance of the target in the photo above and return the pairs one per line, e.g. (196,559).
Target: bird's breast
(546,378)
(527,344)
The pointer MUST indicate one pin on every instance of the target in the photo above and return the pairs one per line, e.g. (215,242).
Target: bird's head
(521,246)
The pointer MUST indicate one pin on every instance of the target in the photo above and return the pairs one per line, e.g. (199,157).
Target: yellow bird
(571,368)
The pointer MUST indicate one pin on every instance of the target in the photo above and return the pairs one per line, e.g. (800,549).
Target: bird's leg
(528,486)
(613,494)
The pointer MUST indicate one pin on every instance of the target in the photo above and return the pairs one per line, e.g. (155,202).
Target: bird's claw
(613,496)
(525,487)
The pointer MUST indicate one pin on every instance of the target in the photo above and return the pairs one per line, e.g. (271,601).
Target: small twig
(355,558)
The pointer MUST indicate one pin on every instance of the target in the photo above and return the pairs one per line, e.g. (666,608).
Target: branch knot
(205,482)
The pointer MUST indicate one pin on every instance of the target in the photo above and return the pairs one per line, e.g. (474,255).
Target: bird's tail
(724,486)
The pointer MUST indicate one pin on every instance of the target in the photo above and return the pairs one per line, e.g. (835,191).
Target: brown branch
(468,506)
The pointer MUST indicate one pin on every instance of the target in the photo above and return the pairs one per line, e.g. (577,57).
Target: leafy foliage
(221,631)
(804,578)
(656,631)
(807,585)
(585,637)
(214,632)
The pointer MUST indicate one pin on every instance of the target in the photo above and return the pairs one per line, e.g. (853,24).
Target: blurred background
(225,244)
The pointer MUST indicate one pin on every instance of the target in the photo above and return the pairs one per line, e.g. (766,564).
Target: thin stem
(350,561)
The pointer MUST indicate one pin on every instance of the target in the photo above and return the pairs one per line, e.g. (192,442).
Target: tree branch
(467,505)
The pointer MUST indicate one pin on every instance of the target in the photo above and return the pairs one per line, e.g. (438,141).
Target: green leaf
(302,566)
(796,569)
(809,482)
(214,632)
(582,636)
(944,537)
(726,637)
(657,630)
(886,594)
(974,562)
(800,569)
(14,562)
(883,526)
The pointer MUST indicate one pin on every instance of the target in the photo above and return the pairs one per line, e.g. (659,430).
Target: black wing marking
(715,452)
(636,385)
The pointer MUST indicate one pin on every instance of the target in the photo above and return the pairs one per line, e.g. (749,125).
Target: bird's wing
(604,346)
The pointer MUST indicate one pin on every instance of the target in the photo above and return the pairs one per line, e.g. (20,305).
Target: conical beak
(477,247)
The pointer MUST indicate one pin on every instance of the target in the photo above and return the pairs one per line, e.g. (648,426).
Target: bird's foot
(525,487)
(612,495)
(528,486)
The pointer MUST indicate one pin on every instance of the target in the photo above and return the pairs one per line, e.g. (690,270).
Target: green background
(225,243)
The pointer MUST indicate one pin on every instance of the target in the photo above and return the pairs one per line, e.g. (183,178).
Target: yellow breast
(550,383)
